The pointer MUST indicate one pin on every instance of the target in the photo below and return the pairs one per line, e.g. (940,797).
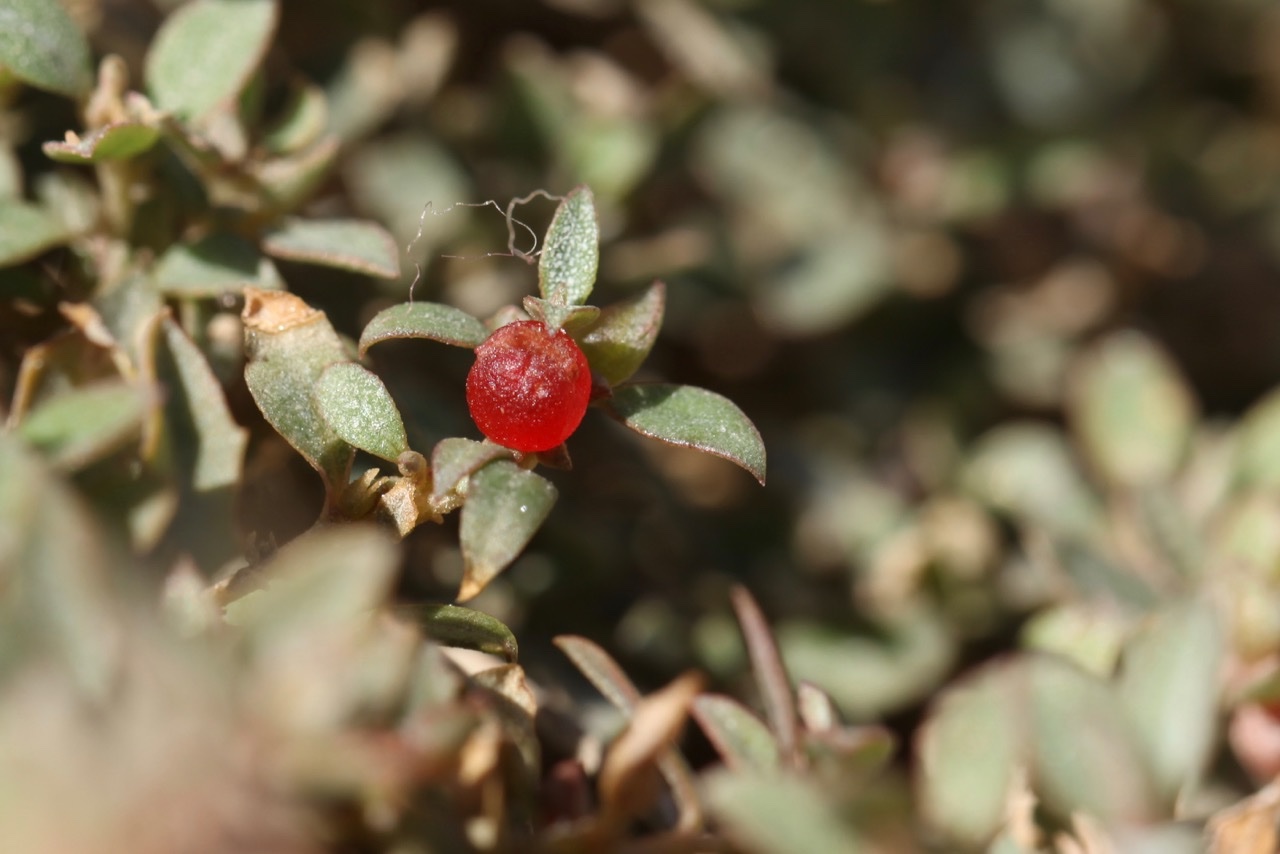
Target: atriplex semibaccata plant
(328,406)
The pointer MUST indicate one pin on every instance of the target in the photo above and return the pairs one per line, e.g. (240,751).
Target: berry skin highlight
(529,386)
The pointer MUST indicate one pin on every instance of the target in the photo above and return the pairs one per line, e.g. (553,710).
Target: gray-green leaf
(359,408)
(348,244)
(85,424)
(289,345)
(619,341)
(41,46)
(216,264)
(205,53)
(442,323)
(571,254)
(111,142)
(1131,410)
(692,418)
(741,738)
(1169,686)
(27,230)
(505,506)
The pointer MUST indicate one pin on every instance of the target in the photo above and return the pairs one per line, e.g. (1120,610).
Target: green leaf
(464,627)
(778,814)
(692,418)
(85,424)
(348,244)
(970,747)
(1169,686)
(571,253)
(323,579)
(741,738)
(289,345)
(505,507)
(619,341)
(442,323)
(27,230)
(216,264)
(358,407)
(41,46)
(302,123)
(1083,749)
(1257,455)
(1131,410)
(205,52)
(196,408)
(1027,470)
(454,458)
(112,142)
(52,551)
(571,318)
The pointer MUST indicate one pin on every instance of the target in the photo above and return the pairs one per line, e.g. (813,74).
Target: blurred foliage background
(998,281)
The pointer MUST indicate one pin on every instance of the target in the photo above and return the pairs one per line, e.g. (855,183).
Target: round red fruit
(529,387)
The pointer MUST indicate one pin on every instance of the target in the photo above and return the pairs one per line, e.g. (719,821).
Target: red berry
(529,387)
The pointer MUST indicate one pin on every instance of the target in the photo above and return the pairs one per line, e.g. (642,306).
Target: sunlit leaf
(437,322)
(216,264)
(464,627)
(41,46)
(357,245)
(505,507)
(27,230)
(1169,687)
(196,406)
(301,123)
(619,341)
(358,407)
(741,738)
(777,814)
(692,418)
(571,252)
(116,141)
(289,345)
(454,458)
(1131,410)
(81,425)
(571,318)
(1257,460)
(205,52)
(970,747)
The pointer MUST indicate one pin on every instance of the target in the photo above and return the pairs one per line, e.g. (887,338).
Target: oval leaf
(289,345)
(85,424)
(1131,410)
(571,254)
(692,418)
(970,747)
(774,814)
(505,506)
(620,340)
(741,738)
(112,142)
(27,230)
(218,263)
(205,53)
(1257,456)
(360,410)
(1169,687)
(464,627)
(41,46)
(442,323)
(454,458)
(196,405)
(347,244)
